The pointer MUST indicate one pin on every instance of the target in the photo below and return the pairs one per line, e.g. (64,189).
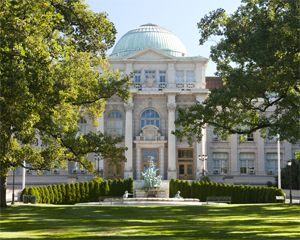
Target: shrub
(79,192)
(238,193)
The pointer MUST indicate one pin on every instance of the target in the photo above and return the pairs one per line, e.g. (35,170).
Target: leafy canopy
(257,58)
(51,52)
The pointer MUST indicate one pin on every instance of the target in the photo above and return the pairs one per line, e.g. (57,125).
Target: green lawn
(261,221)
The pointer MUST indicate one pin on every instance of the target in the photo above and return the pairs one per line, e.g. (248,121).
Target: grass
(260,221)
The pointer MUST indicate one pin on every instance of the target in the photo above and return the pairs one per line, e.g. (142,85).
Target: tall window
(247,163)
(185,163)
(137,77)
(115,123)
(162,76)
(190,76)
(271,163)
(82,124)
(148,154)
(180,76)
(150,117)
(220,163)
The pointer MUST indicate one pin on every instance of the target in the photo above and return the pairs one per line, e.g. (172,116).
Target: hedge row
(79,192)
(238,193)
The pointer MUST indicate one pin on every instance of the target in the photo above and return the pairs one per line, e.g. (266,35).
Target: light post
(278,162)
(13,190)
(203,158)
(289,163)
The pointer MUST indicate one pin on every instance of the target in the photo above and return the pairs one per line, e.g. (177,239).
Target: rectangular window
(190,76)
(150,154)
(162,76)
(137,77)
(149,74)
(220,163)
(247,163)
(180,76)
(185,153)
(185,163)
(250,137)
(272,162)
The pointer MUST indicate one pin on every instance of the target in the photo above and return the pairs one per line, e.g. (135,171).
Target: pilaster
(171,137)
(260,155)
(162,162)
(138,162)
(128,139)
(234,154)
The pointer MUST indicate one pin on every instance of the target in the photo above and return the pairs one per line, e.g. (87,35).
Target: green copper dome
(149,36)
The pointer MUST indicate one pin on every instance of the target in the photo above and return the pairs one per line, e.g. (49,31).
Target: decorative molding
(128,106)
(171,106)
(149,102)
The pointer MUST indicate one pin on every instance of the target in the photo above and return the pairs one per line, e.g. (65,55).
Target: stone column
(162,162)
(234,154)
(171,75)
(260,155)
(128,68)
(128,171)
(138,162)
(201,147)
(101,123)
(198,76)
(171,137)
(100,128)
(198,161)
(203,81)
(204,149)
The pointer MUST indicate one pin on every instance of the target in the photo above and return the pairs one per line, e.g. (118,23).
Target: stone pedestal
(153,193)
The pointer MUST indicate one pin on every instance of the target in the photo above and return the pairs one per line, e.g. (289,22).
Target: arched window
(150,117)
(82,124)
(115,123)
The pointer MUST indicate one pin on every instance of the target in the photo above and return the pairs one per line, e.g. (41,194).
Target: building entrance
(146,154)
(185,164)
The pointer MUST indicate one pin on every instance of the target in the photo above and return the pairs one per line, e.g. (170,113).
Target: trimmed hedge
(72,193)
(238,193)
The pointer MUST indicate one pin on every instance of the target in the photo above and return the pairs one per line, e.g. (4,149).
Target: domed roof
(149,36)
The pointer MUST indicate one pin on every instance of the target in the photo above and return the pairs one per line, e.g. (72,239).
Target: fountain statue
(150,179)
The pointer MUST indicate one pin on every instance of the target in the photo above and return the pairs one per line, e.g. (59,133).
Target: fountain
(152,191)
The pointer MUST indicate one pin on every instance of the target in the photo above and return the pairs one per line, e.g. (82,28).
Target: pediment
(150,54)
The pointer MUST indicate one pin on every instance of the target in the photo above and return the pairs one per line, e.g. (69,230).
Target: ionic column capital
(128,106)
(171,106)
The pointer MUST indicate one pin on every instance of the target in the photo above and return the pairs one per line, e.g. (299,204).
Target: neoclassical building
(165,77)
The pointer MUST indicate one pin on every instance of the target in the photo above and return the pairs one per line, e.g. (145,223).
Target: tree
(257,58)
(51,53)
(286,174)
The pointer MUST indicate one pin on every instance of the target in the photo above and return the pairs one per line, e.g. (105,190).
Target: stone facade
(161,84)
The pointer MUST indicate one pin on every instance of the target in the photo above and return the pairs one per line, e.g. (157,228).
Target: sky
(178,16)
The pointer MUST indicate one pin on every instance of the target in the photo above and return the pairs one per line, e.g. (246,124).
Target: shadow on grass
(266,221)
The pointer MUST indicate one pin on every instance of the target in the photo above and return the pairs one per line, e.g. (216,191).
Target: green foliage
(257,58)
(79,192)
(238,193)
(50,54)
(294,173)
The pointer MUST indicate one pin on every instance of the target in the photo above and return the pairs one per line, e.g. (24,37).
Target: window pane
(185,153)
(150,117)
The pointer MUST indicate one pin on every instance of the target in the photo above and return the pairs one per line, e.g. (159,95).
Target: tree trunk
(3,179)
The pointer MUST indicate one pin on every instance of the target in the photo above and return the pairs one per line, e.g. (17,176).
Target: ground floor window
(147,154)
(185,163)
(220,163)
(271,163)
(247,161)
